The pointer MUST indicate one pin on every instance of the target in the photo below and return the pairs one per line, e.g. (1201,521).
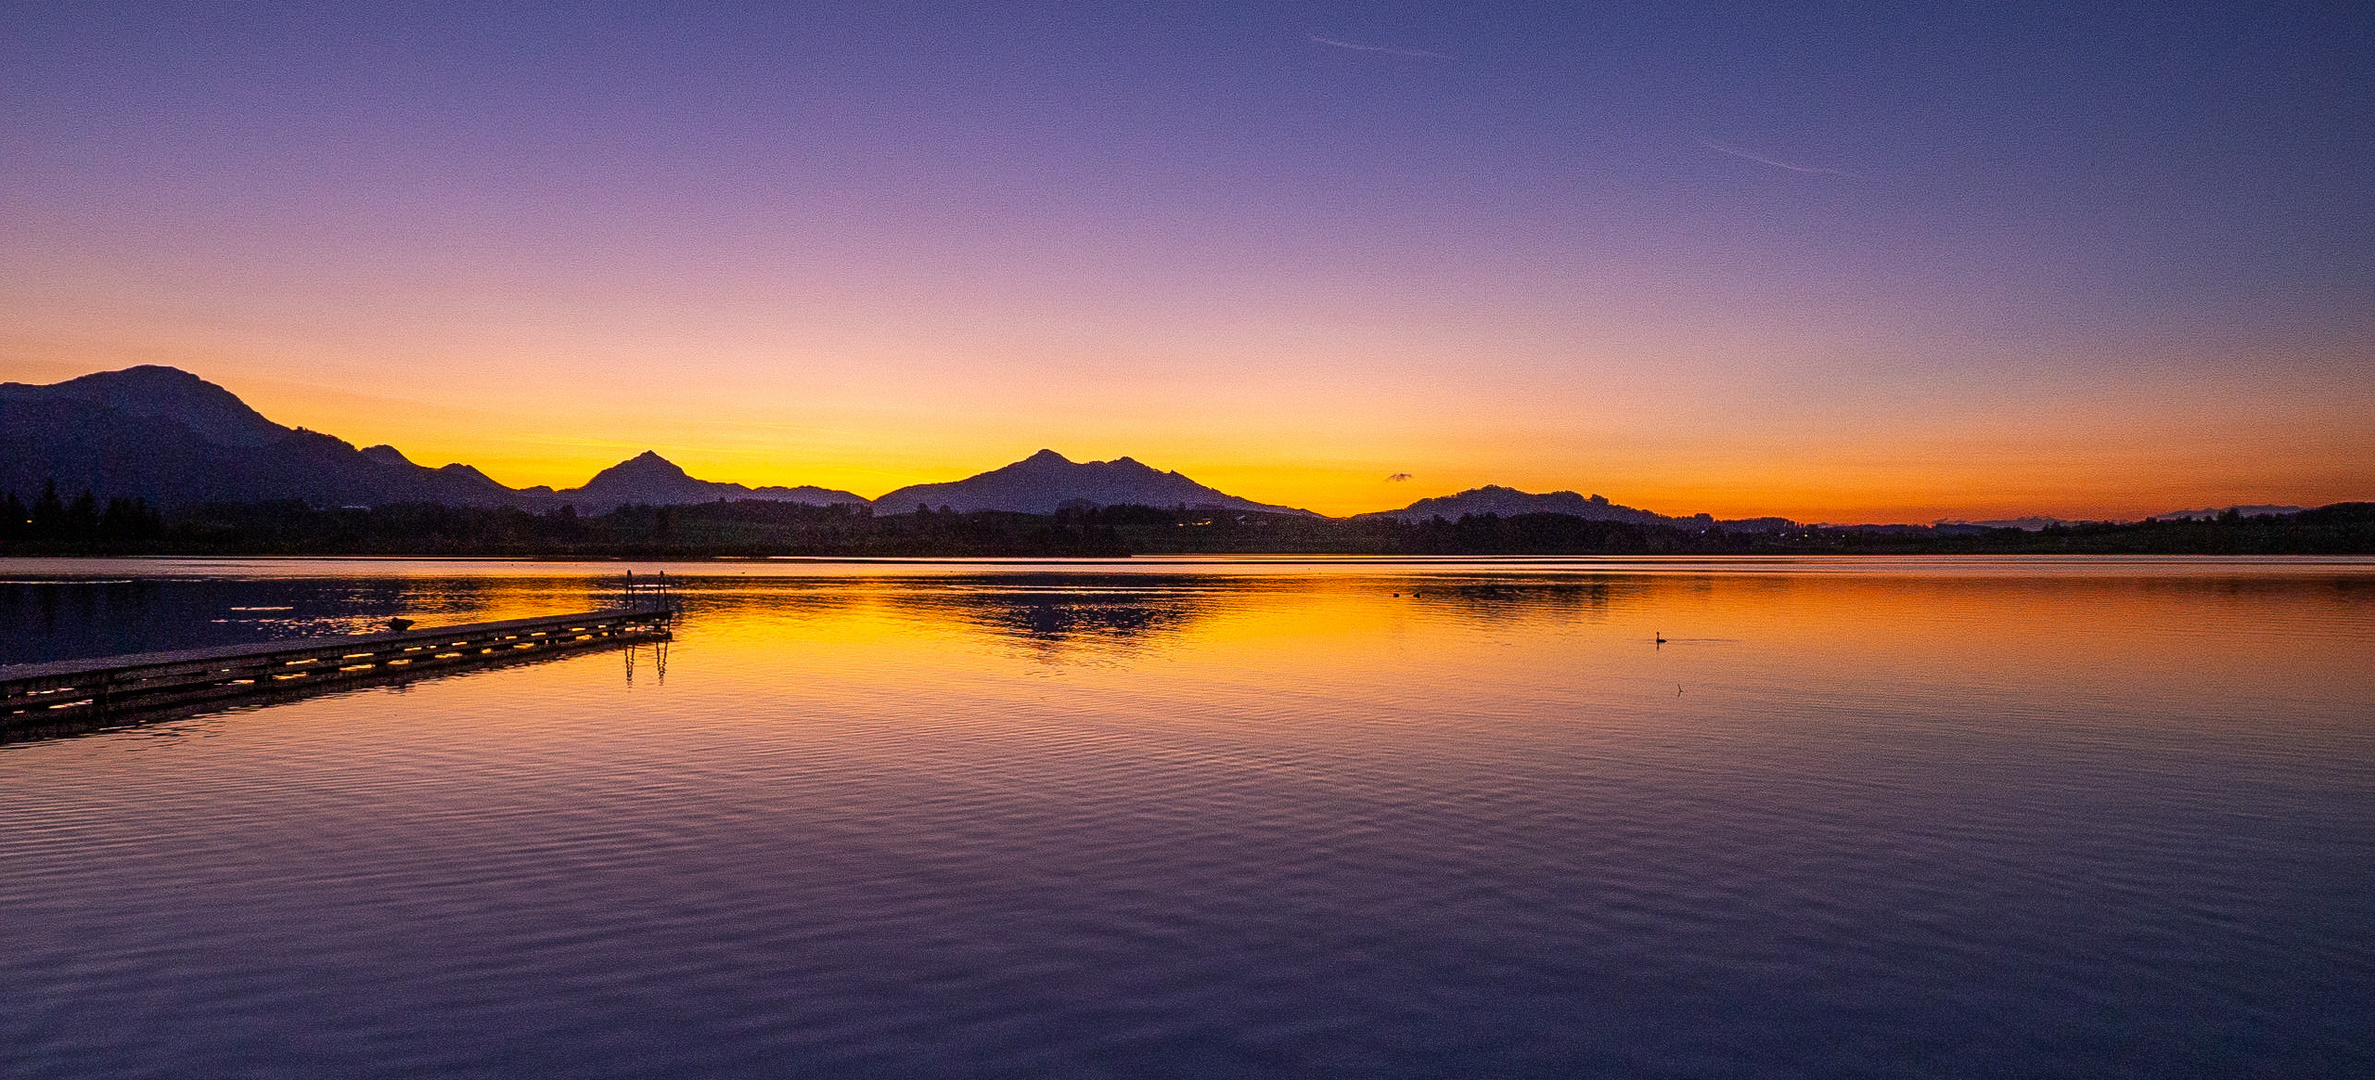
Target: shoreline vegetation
(87,526)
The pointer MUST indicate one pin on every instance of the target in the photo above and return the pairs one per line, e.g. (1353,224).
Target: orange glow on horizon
(1911,476)
(1813,434)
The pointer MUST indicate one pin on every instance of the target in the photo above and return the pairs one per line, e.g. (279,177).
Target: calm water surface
(1209,818)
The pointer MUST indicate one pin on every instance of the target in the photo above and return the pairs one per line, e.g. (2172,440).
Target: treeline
(749,527)
(752,528)
(80,524)
(2341,529)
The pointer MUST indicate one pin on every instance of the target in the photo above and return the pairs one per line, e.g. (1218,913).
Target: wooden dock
(72,693)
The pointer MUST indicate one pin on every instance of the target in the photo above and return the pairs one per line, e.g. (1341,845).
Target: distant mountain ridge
(150,391)
(1510,502)
(173,438)
(2038,523)
(1048,481)
(651,479)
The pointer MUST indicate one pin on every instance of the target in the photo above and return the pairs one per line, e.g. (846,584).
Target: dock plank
(146,681)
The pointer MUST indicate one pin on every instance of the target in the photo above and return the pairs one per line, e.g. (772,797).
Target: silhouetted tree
(130,519)
(82,515)
(49,512)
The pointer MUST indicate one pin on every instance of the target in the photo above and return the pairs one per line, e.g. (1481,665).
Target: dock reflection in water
(1902,817)
(42,700)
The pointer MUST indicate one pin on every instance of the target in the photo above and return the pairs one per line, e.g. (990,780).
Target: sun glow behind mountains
(1763,266)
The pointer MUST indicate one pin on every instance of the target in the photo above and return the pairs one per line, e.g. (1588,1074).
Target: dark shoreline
(759,529)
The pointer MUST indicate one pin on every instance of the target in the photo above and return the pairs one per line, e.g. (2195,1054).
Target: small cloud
(1768,159)
(1389,50)
(1397,478)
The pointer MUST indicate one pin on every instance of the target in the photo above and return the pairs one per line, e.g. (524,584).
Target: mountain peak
(1048,481)
(174,438)
(144,374)
(154,390)
(646,467)
(1509,502)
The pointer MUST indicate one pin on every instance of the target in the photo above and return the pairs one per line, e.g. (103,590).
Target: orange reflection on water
(2140,643)
(1348,642)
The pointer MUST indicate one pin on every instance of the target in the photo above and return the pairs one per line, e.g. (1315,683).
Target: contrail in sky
(1777,163)
(1390,50)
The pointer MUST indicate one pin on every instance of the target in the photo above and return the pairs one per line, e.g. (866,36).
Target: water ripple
(1250,825)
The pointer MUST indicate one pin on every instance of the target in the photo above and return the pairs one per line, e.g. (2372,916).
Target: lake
(1199,818)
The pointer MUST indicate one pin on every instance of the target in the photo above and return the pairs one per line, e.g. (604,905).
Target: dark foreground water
(1895,818)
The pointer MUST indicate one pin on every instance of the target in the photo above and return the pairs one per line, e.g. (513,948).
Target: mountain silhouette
(649,478)
(175,439)
(1048,481)
(150,391)
(1510,502)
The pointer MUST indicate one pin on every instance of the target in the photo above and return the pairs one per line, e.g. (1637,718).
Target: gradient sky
(1837,262)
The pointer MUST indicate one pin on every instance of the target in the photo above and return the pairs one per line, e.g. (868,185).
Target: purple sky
(1829,261)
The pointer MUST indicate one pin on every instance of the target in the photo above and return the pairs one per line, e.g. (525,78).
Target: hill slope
(1047,481)
(649,478)
(175,439)
(150,391)
(1510,502)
